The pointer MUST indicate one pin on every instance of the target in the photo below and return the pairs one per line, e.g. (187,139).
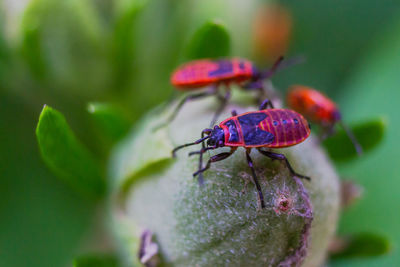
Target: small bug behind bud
(318,108)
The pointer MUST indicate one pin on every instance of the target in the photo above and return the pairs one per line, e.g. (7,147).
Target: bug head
(216,137)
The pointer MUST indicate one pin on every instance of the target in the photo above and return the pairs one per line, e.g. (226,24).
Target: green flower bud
(157,205)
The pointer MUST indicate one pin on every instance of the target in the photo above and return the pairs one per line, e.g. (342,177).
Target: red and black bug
(318,108)
(266,128)
(207,72)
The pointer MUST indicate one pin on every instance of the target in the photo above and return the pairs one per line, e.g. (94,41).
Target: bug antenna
(281,64)
(188,144)
(353,139)
(296,60)
(268,73)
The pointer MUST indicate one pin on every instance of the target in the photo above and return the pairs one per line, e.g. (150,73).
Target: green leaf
(66,156)
(211,40)
(110,120)
(368,133)
(123,44)
(364,245)
(96,260)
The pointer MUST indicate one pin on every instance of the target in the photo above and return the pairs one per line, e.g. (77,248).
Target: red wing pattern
(204,72)
(273,128)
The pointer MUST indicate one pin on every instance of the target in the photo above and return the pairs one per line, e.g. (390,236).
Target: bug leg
(326,131)
(282,157)
(223,101)
(265,104)
(195,152)
(184,100)
(253,171)
(353,139)
(203,149)
(200,151)
(215,158)
(189,98)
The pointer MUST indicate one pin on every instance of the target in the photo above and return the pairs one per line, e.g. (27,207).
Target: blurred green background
(69,53)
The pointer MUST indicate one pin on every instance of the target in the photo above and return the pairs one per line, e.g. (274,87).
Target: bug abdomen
(288,127)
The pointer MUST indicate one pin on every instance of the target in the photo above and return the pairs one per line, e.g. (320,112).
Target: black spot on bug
(258,137)
(296,121)
(284,121)
(252,119)
(224,67)
(253,135)
(275,123)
